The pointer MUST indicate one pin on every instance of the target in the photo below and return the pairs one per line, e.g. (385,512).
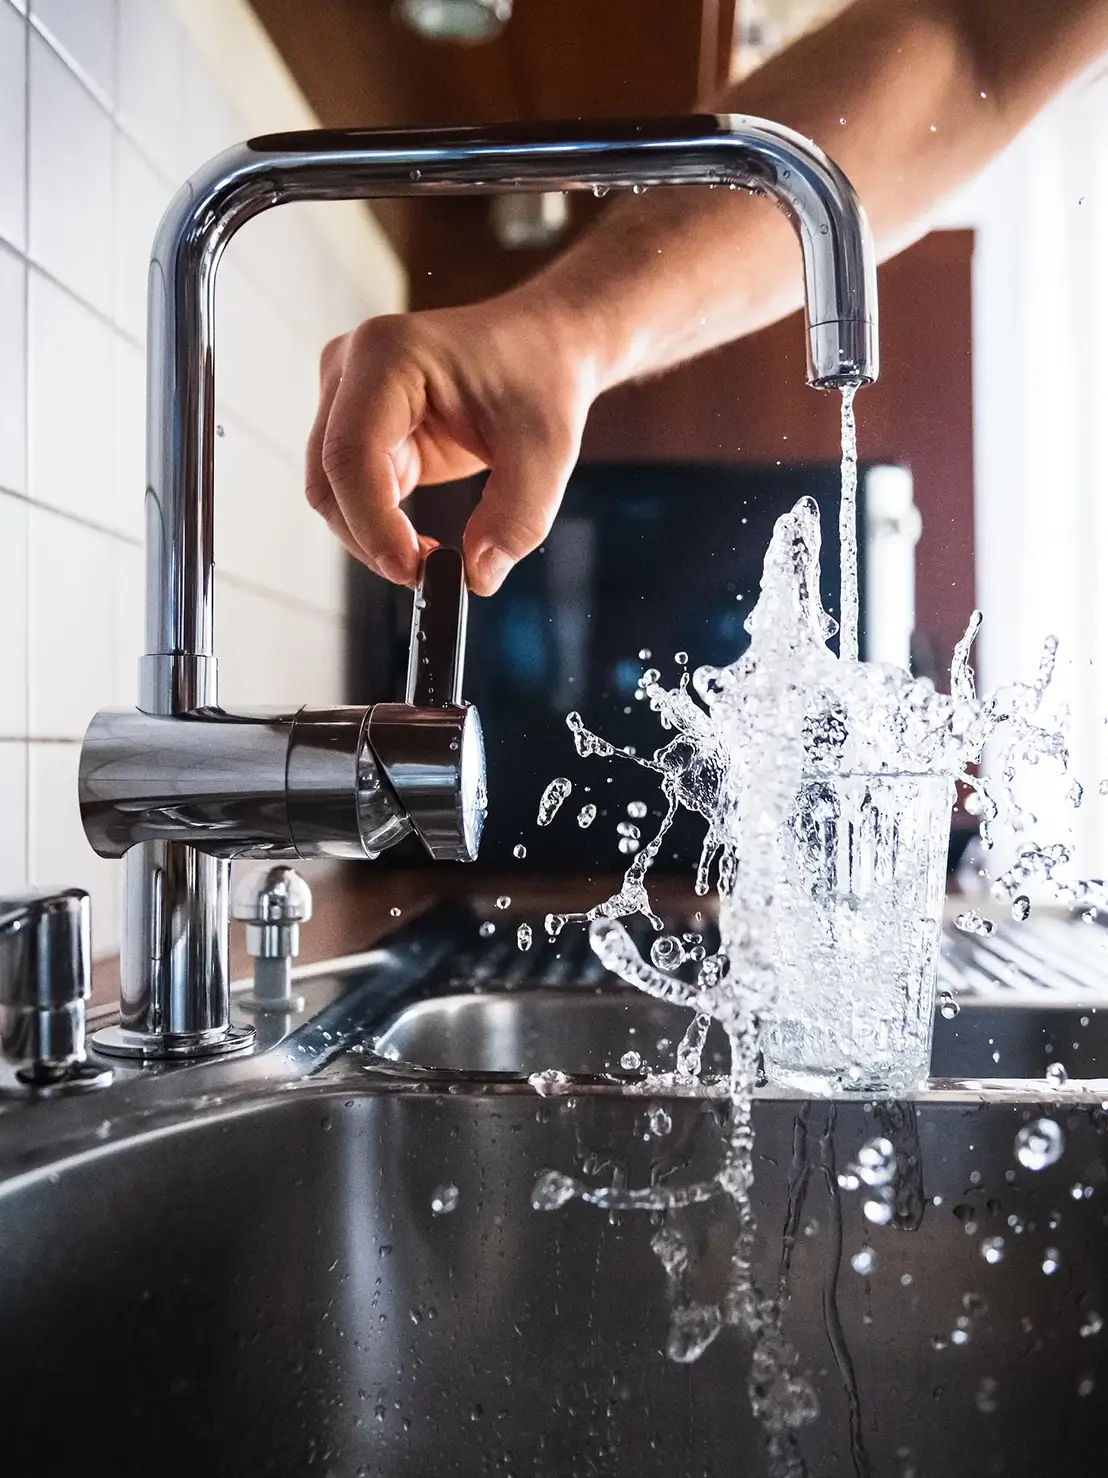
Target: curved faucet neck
(179,671)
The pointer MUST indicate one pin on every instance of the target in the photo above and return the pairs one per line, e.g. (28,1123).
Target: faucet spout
(836,248)
(174,965)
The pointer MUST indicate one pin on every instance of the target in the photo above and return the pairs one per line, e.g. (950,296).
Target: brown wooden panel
(749,403)
(556,59)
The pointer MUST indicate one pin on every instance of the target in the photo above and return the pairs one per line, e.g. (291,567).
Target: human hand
(429,397)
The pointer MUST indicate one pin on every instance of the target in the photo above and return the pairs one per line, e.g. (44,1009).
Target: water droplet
(959,1336)
(600,191)
(971,922)
(629,845)
(552,798)
(519,850)
(1021,908)
(551,1190)
(219,431)
(644,656)
(878,1212)
(631,1061)
(550,1081)
(444,1199)
(524,936)
(659,1121)
(636,809)
(1040,1144)
(985,1400)
(681,658)
(948,1006)
(1056,1075)
(1052,1261)
(395,912)
(586,816)
(692,1330)
(992,1249)
(1092,1324)
(487,929)
(848,1181)
(864,1262)
(554,923)
(876,1162)
(1075,794)
(504,901)
(638,189)
(415,174)
(667,952)
(1102,788)
(1086,1386)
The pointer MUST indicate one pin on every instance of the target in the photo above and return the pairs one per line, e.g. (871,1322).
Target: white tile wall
(13,371)
(13,815)
(105,105)
(70,374)
(13,125)
(85,34)
(13,617)
(71,174)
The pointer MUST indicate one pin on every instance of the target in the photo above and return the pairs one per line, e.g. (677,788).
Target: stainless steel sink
(239,1268)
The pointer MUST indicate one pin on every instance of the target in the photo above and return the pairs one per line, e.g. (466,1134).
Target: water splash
(786,754)
(551,799)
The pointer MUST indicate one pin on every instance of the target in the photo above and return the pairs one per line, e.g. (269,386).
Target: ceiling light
(455,20)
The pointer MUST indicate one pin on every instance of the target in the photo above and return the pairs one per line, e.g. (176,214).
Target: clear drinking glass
(861,870)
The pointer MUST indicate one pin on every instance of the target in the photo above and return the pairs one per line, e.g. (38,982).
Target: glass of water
(855,932)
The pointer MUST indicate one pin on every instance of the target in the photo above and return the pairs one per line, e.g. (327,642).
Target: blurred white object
(529,218)
(455,20)
(763,27)
(892,533)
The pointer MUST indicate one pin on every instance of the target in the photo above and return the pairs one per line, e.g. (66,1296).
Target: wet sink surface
(271,1291)
(262,1284)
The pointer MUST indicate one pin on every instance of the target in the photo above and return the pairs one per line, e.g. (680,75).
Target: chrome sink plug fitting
(45,983)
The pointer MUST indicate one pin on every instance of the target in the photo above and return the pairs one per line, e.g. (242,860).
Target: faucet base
(117,1041)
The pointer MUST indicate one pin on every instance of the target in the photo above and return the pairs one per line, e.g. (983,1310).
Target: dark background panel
(658,558)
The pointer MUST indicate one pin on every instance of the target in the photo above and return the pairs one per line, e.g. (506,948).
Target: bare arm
(910,97)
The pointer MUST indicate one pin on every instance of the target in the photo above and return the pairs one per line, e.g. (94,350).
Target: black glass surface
(660,559)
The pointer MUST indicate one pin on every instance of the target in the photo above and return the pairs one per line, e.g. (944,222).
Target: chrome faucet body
(141,792)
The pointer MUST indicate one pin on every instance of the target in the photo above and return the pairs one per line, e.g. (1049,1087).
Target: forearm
(910,97)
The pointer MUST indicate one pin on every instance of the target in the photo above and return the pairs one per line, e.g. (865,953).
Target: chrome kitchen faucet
(178,786)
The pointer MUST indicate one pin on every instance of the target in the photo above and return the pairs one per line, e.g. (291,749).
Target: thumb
(517,507)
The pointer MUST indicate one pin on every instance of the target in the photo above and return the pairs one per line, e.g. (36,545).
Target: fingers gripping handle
(430,747)
(436,658)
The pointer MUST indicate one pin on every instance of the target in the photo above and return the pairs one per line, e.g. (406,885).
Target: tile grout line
(288,600)
(26,348)
(29,739)
(131,540)
(70,62)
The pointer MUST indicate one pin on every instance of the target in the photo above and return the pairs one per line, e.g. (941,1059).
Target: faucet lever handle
(436,656)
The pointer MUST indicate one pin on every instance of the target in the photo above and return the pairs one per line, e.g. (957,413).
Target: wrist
(579,315)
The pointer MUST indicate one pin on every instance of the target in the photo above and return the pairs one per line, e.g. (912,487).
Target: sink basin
(246,1269)
(269,1291)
